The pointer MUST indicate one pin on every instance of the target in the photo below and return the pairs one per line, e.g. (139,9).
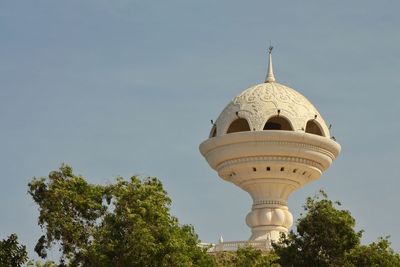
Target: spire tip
(270,74)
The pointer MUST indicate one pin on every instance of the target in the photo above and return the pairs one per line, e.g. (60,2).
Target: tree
(12,254)
(128,223)
(122,224)
(376,254)
(247,257)
(32,263)
(326,237)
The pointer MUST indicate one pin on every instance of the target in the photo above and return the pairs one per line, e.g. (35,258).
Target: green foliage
(377,254)
(12,254)
(128,223)
(32,263)
(123,224)
(326,237)
(247,257)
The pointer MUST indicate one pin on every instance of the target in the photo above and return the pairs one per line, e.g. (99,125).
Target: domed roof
(271,102)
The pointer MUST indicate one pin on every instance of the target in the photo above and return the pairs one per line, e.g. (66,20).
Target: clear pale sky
(129,88)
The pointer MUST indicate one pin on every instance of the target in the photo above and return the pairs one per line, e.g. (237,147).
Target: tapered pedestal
(269,165)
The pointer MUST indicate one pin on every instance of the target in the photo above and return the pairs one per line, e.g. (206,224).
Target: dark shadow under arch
(313,127)
(213,132)
(278,123)
(239,125)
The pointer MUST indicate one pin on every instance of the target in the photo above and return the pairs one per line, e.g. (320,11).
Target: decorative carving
(273,202)
(260,102)
(270,158)
(302,145)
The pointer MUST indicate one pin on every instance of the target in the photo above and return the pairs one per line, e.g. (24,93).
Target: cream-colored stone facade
(270,141)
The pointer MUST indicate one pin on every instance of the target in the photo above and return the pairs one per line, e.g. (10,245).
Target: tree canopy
(246,256)
(326,237)
(376,254)
(12,253)
(122,224)
(128,223)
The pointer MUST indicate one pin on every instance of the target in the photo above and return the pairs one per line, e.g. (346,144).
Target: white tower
(270,141)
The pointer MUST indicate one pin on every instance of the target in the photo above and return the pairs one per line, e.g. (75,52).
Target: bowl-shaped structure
(269,165)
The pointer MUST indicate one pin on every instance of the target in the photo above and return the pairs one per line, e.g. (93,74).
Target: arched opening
(213,132)
(278,123)
(239,125)
(313,127)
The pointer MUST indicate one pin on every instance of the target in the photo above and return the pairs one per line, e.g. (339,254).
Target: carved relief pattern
(270,158)
(265,99)
(262,101)
(272,202)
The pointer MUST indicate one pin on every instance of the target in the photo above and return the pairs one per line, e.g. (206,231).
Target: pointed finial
(221,240)
(270,75)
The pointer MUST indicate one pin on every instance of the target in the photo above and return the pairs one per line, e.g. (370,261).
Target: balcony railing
(235,245)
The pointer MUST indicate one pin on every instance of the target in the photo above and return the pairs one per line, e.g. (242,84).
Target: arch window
(238,125)
(213,132)
(313,127)
(278,123)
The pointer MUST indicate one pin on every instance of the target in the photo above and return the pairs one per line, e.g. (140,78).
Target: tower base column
(267,222)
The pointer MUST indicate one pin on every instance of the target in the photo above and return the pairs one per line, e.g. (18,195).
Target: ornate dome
(270,106)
